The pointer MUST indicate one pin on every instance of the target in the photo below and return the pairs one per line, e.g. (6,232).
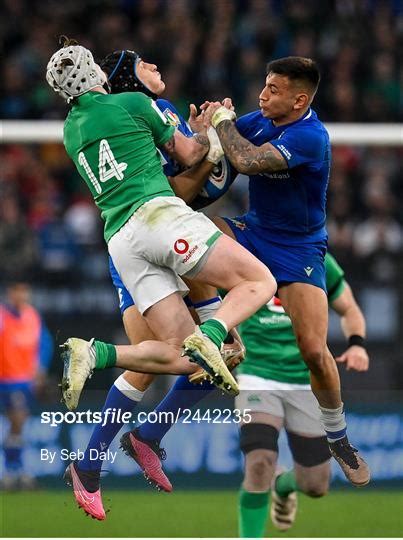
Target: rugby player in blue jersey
(285,151)
(285,227)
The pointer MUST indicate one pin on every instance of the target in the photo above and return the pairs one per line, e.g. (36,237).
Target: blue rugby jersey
(290,204)
(170,166)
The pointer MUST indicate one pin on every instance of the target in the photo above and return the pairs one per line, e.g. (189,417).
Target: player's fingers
(204,105)
(341,358)
(227,102)
(351,365)
(213,104)
(358,363)
(363,364)
(355,363)
(192,111)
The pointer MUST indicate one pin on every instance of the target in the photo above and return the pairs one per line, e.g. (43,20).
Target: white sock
(334,422)
(128,390)
(207,309)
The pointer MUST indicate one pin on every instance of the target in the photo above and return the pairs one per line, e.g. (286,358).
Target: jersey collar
(306,116)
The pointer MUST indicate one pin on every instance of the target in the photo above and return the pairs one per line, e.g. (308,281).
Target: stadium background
(50,230)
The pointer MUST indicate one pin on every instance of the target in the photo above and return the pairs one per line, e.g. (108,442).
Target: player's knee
(316,492)
(314,487)
(259,469)
(313,352)
(270,286)
(259,443)
(264,285)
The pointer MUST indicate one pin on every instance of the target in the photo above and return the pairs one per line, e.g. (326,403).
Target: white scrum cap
(72,71)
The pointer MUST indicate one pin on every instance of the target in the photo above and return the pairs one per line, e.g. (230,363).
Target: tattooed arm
(245,156)
(187,150)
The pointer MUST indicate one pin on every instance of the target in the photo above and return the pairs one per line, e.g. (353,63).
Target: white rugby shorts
(163,239)
(294,403)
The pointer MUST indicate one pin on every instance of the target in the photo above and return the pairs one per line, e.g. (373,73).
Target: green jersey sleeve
(335,282)
(146,110)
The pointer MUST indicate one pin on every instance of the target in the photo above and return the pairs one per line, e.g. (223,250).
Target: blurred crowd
(46,210)
(205,49)
(212,48)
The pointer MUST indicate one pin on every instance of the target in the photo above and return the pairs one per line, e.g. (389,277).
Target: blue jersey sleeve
(174,118)
(248,123)
(299,146)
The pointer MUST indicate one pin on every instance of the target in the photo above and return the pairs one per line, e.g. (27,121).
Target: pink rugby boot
(86,490)
(148,455)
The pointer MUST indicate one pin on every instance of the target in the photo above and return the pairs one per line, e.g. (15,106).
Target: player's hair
(297,68)
(64,41)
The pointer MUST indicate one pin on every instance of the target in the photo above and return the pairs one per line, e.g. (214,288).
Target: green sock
(105,355)
(253,513)
(215,330)
(286,483)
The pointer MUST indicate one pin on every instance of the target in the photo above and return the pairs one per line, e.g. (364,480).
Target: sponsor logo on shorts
(191,252)
(254,398)
(238,224)
(181,246)
(308,270)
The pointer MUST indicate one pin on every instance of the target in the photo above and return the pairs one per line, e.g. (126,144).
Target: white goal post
(40,131)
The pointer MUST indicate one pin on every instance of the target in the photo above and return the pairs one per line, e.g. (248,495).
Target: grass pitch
(348,513)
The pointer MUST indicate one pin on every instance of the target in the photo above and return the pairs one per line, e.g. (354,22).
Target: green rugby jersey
(271,347)
(113,141)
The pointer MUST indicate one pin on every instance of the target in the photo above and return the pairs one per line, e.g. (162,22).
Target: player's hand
(227,102)
(355,357)
(208,111)
(195,119)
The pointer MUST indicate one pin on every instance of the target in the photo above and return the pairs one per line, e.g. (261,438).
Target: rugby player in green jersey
(154,238)
(275,389)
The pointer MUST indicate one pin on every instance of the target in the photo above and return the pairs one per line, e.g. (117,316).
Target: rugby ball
(216,185)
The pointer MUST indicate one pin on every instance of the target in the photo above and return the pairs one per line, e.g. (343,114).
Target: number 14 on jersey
(108,166)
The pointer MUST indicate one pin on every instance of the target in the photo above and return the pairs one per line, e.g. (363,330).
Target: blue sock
(121,396)
(13,446)
(183,395)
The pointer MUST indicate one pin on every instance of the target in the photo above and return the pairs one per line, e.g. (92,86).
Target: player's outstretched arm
(244,156)
(353,325)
